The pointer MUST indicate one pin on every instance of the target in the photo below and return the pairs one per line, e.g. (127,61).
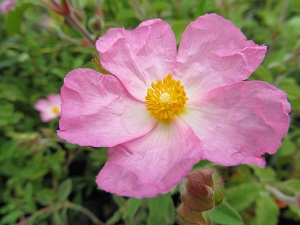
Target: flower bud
(200,193)
(185,216)
(200,190)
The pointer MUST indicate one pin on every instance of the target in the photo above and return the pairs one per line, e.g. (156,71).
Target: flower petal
(238,123)
(54,99)
(41,105)
(98,111)
(140,56)
(214,53)
(152,164)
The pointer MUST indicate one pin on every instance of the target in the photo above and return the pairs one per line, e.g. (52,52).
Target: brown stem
(73,21)
(38,213)
(69,205)
(99,13)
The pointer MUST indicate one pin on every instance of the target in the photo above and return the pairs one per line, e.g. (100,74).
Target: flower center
(165,98)
(55,110)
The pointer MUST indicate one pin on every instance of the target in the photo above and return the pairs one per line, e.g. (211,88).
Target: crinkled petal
(98,111)
(152,164)
(238,123)
(140,56)
(214,53)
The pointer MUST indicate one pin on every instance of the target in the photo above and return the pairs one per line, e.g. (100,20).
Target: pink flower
(7,5)
(162,111)
(49,108)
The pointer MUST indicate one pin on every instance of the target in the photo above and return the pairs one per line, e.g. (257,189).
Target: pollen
(55,110)
(165,98)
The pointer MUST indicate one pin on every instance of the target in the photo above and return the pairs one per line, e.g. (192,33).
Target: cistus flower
(161,111)
(7,5)
(49,108)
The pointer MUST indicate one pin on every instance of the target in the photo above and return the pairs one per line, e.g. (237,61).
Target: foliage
(44,180)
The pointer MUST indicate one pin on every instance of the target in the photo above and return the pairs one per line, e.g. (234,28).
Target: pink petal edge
(213,53)
(240,122)
(152,164)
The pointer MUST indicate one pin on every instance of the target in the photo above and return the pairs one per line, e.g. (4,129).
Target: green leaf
(200,8)
(226,215)
(28,193)
(178,27)
(46,197)
(263,74)
(266,174)
(292,185)
(161,210)
(57,218)
(159,6)
(15,17)
(125,15)
(295,210)
(64,190)
(290,86)
(12,217)
(247,192)
(287,147)
(266,211)
(121,202)
(115,218)
(133,206)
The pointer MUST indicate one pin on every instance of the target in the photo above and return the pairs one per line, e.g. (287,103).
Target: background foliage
(44,180)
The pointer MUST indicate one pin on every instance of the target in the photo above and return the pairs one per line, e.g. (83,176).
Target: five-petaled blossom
(161,111)
(49,108)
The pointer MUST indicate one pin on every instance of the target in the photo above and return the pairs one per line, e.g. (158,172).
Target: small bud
(185,216)
(65,9)
(200,192)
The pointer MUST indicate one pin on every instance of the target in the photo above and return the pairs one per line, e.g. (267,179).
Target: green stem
(85,211)
(73,21)
(140,212)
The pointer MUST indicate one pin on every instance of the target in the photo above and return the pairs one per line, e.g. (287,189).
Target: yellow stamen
(165,98)
(56,109)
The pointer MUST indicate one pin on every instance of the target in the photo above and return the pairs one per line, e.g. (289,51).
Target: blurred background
(44,180)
